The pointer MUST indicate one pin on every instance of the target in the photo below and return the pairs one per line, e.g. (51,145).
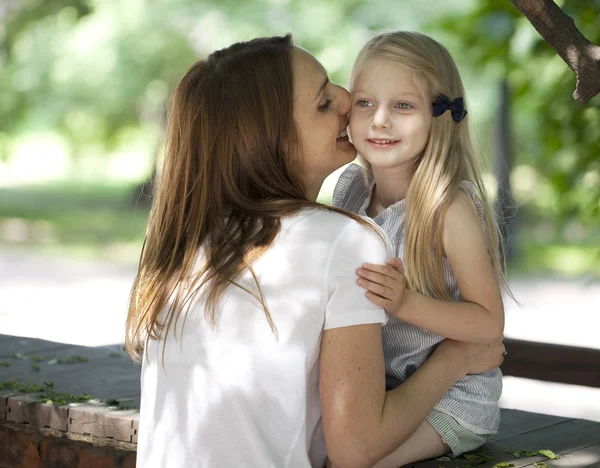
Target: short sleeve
(470,190)
(347,304)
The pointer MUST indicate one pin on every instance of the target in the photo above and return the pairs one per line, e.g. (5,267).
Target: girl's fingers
(396,264)
(376,288)
(378,300)
(374,277)
(384,270)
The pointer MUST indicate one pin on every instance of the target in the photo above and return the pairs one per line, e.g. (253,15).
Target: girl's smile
(379,143)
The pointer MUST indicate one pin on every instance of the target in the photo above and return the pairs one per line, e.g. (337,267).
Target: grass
(87,221)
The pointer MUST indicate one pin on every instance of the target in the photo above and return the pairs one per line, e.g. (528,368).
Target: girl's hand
(472,358)
(385,284)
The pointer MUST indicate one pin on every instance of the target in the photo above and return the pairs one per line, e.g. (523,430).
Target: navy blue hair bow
(457,107)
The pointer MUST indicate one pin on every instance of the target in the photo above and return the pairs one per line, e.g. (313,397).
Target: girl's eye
(324,107)
(403,105)
(363,103)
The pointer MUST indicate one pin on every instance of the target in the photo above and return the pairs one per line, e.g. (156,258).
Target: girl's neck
(391,186)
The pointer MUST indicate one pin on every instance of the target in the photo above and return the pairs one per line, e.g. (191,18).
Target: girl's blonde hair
(448,159)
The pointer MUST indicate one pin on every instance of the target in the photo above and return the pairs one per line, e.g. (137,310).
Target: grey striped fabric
(473,400)
(459,438)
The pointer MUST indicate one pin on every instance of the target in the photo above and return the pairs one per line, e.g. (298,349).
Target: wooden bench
(107,373)
(577,441)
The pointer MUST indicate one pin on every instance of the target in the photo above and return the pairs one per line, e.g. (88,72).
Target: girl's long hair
(231,171)
(448,159)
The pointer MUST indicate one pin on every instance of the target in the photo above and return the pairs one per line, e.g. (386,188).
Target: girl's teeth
(342,134)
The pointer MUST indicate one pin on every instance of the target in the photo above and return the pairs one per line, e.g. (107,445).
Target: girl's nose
(380,119)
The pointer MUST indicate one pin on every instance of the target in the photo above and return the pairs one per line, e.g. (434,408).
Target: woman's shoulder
(330,226)
(350,186)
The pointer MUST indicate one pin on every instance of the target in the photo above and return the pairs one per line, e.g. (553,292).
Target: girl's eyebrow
(359,91)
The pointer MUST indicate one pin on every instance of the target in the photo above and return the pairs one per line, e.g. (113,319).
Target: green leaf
(541,465)
(53,362)
(35,368)
(503,465)
(4,364)
(522,453)
(549,454)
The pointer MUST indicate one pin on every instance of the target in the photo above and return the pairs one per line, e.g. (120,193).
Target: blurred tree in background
(83,86)
(556,140)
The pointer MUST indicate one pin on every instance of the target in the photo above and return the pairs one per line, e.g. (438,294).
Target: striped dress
(473,400)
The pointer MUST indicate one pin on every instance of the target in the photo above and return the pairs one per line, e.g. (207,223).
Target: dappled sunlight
(559,399)
(67,301)
(35,158)
(556,311)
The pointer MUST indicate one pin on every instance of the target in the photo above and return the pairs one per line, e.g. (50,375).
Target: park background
(83,88)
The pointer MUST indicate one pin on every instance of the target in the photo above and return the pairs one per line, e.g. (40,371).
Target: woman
(259,347)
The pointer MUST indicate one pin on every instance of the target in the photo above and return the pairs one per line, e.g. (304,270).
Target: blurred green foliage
(87,81)
(556,140)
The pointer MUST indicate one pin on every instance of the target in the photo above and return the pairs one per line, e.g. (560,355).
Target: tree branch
(560,32)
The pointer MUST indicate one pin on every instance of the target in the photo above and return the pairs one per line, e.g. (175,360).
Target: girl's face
(321,117)
(389,121)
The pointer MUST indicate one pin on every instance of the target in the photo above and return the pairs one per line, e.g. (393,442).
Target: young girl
(422,184)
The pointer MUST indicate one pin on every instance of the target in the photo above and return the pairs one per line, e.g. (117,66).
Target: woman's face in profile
(321,117)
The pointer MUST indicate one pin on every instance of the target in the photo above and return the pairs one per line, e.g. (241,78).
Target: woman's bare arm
(362,422)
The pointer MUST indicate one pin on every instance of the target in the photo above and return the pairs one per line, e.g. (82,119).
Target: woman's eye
(324,107)
(403,105)
(363,103)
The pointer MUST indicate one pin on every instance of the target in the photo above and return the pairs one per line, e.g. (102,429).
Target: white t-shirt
(237,395)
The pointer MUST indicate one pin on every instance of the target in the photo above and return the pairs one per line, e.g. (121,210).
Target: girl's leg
(423,444)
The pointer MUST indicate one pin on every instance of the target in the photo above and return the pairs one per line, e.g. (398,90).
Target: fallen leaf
(549,454)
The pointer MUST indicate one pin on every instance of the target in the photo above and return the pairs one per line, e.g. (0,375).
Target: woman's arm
(362,422)
(479,317)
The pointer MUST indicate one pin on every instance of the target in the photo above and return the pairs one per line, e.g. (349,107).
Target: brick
(23,409)
(93,460)
(19,449)
(101,421)
(135,425)
(59,452)
(4,394)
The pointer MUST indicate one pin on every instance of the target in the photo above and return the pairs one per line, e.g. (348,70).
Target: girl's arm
(362,423)
(479,317)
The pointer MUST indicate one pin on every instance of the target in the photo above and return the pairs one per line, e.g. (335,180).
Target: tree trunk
(560,32)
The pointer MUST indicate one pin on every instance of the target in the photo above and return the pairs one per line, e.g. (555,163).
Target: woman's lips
(345,141)
(381,143)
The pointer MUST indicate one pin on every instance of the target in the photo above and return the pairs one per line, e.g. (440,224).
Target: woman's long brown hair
(231,171)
